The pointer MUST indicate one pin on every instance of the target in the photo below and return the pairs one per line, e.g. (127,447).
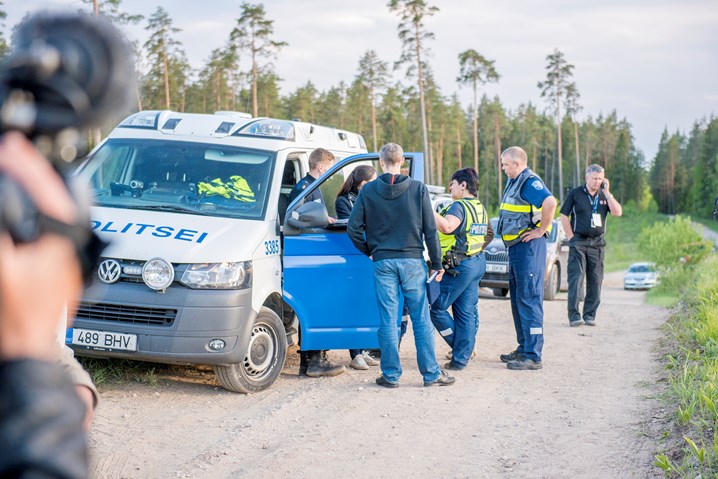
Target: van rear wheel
(500,292)
(265,357)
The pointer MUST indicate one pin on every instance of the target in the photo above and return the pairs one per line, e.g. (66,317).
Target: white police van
(200,268)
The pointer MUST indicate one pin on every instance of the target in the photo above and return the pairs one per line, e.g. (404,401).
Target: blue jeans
(394,278)
(461,293)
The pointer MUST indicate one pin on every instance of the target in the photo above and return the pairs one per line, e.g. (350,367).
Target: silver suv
(555,279)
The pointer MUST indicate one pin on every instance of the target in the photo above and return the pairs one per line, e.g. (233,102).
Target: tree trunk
(167,76)
(578,155)
(560,158)
(440,158)
(458,147)
(428,161)
(373,117)
(255,109)
(497,142)
(139,97)
(476,132)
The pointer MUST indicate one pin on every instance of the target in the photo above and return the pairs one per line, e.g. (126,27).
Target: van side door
(327,281)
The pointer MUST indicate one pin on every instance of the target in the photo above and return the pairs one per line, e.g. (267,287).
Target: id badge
(596,220)
(478,229)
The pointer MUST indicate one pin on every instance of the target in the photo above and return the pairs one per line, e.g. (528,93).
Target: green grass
(110,372)
(622,238)
(691,445)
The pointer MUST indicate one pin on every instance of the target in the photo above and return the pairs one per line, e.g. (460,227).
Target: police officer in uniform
(320,160)
(464,231)
(315,363)
(583,216)
(525,216)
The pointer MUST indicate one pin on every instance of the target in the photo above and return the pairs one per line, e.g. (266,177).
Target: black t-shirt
(580,206)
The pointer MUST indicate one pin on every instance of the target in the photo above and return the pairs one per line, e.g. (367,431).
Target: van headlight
(218,275)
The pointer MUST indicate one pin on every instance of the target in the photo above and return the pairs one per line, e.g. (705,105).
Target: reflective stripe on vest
(474,231)
(516,215)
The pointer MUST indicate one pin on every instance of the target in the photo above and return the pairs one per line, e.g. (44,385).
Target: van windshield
(194,178)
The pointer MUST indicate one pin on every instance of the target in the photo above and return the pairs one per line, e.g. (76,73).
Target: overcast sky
(654,61)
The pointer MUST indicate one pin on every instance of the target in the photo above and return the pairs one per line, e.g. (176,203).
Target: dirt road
(585,415)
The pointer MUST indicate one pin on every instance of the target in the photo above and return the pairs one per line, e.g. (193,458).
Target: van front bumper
(171,327)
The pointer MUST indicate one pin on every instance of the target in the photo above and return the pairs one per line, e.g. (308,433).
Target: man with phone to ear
(583,216)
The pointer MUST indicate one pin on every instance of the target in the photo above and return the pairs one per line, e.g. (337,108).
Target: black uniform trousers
(585,263)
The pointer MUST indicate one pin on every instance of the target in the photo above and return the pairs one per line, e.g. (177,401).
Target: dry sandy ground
(587,414)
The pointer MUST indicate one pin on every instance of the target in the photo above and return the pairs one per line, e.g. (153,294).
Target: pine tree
(413,34)
(475,70)
(162,51)
(3,43)
(554,89)
(253,34)
(110,9)
(373,75)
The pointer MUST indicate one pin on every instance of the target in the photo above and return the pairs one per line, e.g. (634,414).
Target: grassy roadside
(622,238)
(688,445)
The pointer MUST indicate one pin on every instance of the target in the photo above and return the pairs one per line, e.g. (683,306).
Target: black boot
(319,365)
(303,362)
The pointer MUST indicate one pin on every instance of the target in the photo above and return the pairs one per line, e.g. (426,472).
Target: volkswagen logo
(109,271)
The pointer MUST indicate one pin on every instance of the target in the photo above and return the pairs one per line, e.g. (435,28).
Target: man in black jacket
(391,219)
(41,416)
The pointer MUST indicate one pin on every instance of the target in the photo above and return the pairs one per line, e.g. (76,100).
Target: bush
(672,244)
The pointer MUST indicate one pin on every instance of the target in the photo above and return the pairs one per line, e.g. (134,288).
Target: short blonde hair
(392,153)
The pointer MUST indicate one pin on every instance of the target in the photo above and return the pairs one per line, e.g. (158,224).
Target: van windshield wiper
(175,208)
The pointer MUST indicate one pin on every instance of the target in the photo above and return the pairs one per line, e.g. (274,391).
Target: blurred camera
(66,72)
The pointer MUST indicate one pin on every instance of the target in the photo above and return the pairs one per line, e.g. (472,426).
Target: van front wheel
(265,357)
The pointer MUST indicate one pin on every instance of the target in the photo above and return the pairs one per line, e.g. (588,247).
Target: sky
(653,61)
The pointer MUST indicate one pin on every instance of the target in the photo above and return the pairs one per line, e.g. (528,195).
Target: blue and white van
(201,268)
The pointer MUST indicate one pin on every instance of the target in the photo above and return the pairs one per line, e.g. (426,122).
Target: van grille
(502,257)
(119,313)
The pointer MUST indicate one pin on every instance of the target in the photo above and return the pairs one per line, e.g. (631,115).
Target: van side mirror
(308,215)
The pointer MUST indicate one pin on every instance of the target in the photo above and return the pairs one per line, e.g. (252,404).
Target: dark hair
(358,174)
(471,178)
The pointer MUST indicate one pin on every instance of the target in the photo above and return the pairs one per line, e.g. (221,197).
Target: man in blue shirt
(525,216)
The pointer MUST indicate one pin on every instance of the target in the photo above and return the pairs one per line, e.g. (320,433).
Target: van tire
(500,292)
(550,290)
(266,353)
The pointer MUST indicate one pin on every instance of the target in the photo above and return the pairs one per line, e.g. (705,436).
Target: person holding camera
(583,216)
(464,232)
(41,415)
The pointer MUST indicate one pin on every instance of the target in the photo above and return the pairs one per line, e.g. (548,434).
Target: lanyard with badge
(595,216)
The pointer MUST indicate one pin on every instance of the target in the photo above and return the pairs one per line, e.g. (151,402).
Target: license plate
(496,268)
(101,339)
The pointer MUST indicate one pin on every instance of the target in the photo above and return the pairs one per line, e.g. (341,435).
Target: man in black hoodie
(391,219)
